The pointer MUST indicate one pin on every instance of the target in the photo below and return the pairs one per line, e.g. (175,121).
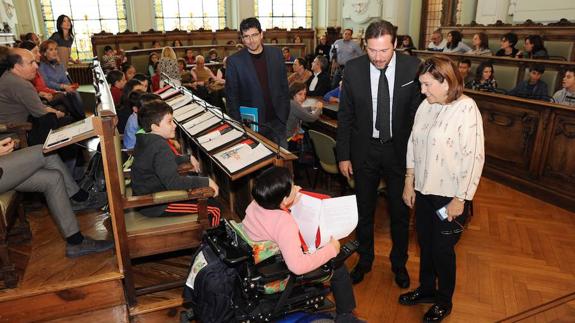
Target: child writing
(155,166)
(268,218)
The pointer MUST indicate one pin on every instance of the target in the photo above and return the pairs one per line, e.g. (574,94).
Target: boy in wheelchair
(250,248)
(268,218)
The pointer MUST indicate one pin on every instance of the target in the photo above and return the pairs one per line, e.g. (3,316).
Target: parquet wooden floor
(517,253)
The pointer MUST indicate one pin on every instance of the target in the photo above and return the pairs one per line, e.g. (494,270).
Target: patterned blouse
(446,148)
(486,86)
(169,67)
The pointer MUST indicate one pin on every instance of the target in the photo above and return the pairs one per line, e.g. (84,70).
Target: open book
(188,111)
(321,219)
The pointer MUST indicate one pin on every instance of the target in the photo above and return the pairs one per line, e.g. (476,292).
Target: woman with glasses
(445,157)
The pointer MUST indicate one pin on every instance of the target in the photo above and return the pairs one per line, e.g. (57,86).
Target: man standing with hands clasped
(380,94)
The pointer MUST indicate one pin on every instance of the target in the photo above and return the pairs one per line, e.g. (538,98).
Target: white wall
(517,11)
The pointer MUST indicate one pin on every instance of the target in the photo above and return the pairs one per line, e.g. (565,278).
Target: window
(190,14)
(284,13)
(88,17)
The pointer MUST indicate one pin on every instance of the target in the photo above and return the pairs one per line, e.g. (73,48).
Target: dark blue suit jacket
(243,86)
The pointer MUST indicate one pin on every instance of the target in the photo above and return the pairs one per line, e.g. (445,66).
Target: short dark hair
(511,38)
(140,77)
(380,28)
(126,66)
(108,48)
(301,61)
(134,99)
(465,61)
(114,76)
(29,36)
(272,186)
(540,68)
(12,59)
(251,22)
(153,112)
(295,88)
(569,69)
(27,44)
(148,97)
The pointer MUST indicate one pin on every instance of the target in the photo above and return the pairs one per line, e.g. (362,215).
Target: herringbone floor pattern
(517,253)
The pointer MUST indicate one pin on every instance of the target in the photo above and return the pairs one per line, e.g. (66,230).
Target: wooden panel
(57,304)
(559,164)
(116,314)
(151,245)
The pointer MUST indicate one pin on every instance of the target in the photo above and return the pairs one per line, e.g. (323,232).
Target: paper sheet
(241,156)
(214,140)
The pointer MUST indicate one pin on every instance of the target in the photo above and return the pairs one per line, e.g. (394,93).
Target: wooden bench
(559,37)
(510,71)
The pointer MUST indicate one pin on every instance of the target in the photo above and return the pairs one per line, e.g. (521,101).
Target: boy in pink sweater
(268,218)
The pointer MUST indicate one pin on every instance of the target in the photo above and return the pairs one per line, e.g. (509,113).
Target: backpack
(93,179)
(211,287)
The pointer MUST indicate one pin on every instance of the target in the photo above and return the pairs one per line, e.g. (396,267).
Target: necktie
(383,117)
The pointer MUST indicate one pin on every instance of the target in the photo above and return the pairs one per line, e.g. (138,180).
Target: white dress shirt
(313,82)
(374,74)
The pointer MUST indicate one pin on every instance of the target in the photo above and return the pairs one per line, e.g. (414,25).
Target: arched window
(88,17)
(190,14)
(284,13)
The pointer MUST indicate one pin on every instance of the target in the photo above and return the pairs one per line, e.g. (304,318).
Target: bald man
(19,99)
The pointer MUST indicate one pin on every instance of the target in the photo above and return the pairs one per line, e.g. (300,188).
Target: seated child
(117,81)
(110,59)
(155,166)
(268,218)
(534,88)
(136,99)
(566,95)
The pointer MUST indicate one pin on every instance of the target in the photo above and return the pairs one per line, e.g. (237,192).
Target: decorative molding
(361,11)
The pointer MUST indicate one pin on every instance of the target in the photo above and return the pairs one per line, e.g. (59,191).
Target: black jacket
(155,169)
(322,87)
(355,118)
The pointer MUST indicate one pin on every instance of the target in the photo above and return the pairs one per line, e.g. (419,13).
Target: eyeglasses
(250,37)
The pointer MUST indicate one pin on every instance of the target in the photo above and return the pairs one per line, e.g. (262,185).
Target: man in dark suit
(256,77)
(379,97)
(319,84)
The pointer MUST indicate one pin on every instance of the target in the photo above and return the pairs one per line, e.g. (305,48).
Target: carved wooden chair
(136,235)
(10,210)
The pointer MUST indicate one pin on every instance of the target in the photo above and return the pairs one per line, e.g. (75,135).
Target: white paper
(203,125)
(241,156)
(187,112)
(197,120)
(185,99)
(66,133)
(214,140)
(168,93)
(336,217)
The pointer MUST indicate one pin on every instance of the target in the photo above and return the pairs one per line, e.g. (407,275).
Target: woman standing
(64,37)
(445,156)
(168,63)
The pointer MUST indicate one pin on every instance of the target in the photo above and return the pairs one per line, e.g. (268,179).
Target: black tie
(382,119)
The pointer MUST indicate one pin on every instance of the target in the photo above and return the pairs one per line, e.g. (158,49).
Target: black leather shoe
(357,274)
(402,278)
(436,313)
(416,297)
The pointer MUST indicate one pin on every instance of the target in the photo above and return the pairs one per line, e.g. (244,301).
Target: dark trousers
(437,241)
(342,290)
(381,162)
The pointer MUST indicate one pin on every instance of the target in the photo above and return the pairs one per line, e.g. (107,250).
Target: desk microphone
(248,123)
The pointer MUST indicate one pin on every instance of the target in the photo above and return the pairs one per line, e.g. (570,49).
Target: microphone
(277,137)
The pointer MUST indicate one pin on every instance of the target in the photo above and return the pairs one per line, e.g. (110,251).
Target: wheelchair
(267,290)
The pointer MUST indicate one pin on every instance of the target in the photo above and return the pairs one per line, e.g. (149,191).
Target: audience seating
(10,210)
(558,37)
